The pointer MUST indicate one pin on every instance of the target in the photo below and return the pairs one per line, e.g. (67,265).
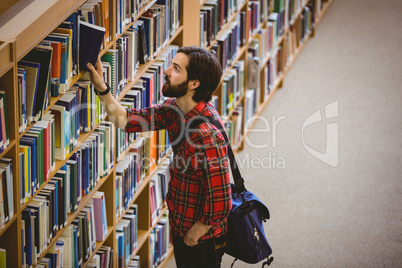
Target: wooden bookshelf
(25,23)
(286,63)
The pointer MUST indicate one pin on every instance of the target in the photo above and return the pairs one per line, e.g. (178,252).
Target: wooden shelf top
(25,21)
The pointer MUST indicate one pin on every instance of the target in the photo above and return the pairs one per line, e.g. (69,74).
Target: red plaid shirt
(199,188)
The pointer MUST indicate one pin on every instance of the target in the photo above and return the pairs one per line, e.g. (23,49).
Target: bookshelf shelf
(30,21)
(8,149)
(141,239)
(8,224)
(6,56)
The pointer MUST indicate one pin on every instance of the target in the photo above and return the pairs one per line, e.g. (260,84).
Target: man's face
(176,82)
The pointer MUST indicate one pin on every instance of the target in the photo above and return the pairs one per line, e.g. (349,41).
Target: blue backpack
(246,236)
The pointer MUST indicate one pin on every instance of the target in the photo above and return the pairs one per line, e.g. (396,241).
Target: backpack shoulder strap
(193,124)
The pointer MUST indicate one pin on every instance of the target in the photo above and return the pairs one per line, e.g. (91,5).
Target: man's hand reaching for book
(96,76)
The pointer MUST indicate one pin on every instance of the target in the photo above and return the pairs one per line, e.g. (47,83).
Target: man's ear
(194,84)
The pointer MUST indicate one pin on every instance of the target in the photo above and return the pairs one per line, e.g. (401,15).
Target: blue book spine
(75,241)
(56,201)
(26,217)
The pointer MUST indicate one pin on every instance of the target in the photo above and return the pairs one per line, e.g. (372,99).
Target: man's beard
(174,91)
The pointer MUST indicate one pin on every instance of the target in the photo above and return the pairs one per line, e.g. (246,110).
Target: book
(91,39)
(32,79)
(100,216)
(6,164)
(43,56)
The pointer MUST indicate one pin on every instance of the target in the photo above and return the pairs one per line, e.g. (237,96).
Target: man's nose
(168,71)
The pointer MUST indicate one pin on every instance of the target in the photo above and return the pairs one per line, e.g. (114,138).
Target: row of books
(127,10)
(265,38)
(151,82)
(6,191)
(234,127)
(292,8)
(137,98)
(232,88)
(279,7)
(91,161)
(158,190)
(160,241)
(46,72)
(141,42)
(130,173)
(40,222)
(228,44)
(79,110)
(272,70)
(137,163)
(257,13)
(213,15)
(37,156)
(250,105)
(102,259)
(97,12)
(126,235)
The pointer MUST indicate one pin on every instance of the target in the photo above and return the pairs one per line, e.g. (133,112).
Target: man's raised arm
(116,112)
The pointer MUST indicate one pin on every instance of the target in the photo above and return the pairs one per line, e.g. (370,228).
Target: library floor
(349,215)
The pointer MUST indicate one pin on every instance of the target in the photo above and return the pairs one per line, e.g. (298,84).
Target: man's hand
(96,76)
(195,233)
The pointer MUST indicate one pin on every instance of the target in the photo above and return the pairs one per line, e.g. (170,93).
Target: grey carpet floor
(348,214)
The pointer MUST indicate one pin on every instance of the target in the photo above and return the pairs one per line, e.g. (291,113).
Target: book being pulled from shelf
(90,41)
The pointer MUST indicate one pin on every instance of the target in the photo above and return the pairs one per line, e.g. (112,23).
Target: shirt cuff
(205,221)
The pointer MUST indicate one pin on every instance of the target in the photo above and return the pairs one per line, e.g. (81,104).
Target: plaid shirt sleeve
(212,152)
(151,118)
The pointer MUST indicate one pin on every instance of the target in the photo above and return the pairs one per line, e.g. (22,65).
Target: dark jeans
(206,254)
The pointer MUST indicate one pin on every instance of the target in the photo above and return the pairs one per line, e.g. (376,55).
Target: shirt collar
(195,111)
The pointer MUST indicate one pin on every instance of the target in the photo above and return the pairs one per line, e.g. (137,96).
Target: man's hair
(205,67)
